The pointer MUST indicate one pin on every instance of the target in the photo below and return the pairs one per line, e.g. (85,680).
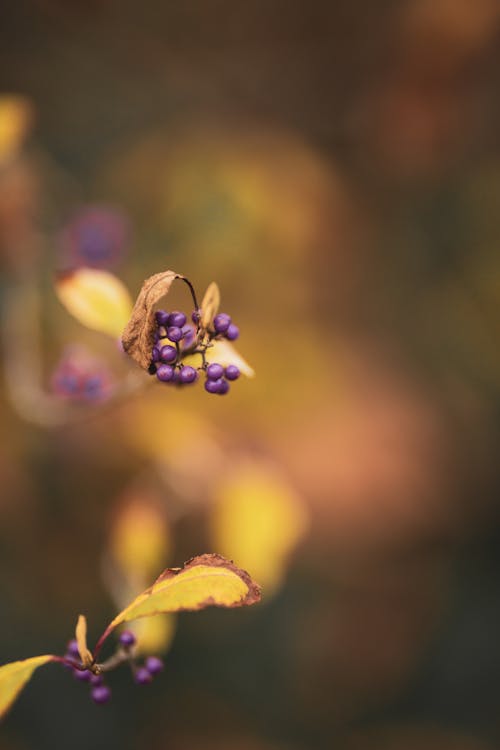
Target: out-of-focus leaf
(225,354)
(15,117)
(81,639)
(97,299)
(14,676)
(154,634)
(210,304)
(140,539)
(204,581)
(258,518)
(138,336)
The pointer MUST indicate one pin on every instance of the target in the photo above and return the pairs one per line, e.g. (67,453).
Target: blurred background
(335,167)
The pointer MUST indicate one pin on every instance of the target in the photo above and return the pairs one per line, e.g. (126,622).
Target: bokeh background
(335,166)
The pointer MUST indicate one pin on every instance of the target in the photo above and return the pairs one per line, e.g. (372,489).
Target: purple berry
(165,373)
(232,372)
(72,649)
(161,317)
(188,335)
(222,321)
(96,680)
(187,374)
(142,676)
(155,354)
(176,319)
(215,371)
(83,675)
(232,332)
(127,638)
(154,665)
(212,386)
(195,316)
(174,333)
(168,353)
(100,694)
(223,387)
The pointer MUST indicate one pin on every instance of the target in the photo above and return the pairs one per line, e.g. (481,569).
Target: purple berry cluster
(79,378)
(175,339)
(94,676)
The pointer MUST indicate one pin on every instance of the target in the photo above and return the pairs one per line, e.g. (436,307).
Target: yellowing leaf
(15,117)
(81,639)
(14,676)
(225,354)
(97,299)
(258,518)
(154,634)
(204,581)
(210,304)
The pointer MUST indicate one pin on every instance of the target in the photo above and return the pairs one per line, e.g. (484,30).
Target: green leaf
(97,299)
(204,581)
(14,676)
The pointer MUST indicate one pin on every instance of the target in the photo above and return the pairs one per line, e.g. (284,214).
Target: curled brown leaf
(138,336)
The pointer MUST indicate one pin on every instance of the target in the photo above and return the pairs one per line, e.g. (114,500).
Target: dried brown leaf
(138,336)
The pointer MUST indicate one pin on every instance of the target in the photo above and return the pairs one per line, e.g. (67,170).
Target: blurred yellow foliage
(258,519)
(15,119)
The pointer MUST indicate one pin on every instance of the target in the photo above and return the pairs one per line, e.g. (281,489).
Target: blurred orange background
(335,167)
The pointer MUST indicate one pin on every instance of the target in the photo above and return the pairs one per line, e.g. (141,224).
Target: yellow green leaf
(81,639)
(225,354)
(210,304)
(14,676)
(97,299)
(258,518)
(204,581)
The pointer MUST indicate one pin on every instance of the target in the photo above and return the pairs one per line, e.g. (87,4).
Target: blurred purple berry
(223,387)
(100,694)
(165,373)
(96,680)
(97,236)
(127,638)
(232,372)
(176,319)
(215,371)
(161,317)
(142,676)
(174,333)
(83,675)
(155,355)
(154,665)
(168,353)
(195,316)
(222,321)
(212,386)
(232,332)
(72,649)
(188,374)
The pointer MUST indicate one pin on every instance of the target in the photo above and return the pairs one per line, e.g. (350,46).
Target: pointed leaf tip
(14,676)
(81,639)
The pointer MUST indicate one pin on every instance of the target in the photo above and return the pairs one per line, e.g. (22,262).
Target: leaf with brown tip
(138,336)
(204,581)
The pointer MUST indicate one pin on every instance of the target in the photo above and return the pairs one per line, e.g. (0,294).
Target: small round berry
(83,675)
(155,354)
(142,676)
(222,321)
(174,333)
(165,373)
(215,371)
(72,649)
(223,387)
(168,353)
(196,316)
(127,638)
(188,374)
(177,319)
(96,680)
(100,694)
(188,335)
(232,372)
(161,317)
(154,665)
(212,386)
(232,332)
